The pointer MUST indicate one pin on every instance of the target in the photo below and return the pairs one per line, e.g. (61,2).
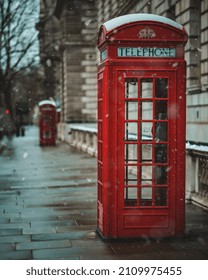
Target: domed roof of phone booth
(124,29)
(47,102)
(130,18)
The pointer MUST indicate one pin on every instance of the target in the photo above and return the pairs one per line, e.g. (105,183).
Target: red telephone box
(47,122)
(141,127)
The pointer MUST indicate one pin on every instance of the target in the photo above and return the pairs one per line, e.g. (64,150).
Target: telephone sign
(141,127)
(146,52)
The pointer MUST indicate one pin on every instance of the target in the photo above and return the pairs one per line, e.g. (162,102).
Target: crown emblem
(146,33)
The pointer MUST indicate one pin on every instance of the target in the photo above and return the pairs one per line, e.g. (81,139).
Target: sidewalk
(48,210)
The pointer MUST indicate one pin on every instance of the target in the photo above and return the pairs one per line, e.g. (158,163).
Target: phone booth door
(146,175)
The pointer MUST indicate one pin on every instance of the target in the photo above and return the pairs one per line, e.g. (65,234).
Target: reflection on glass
(130,196)
(146,152)
(130,175)
(161,107)
(146,131)
(131,153)
(160,175)
(146,196)
(131,88)
(161,88)
(161,131)
(160,153)
(146,88)
(131,131)
(160,196)
(131,110)
(146,110)
(103,55)
(146,175)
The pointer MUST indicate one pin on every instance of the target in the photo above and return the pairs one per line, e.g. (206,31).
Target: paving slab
(184,254)
(16,255)
(89,243)
(11,215)
(55,223)
(39,230)
(198,243)
(7,247)
(7,232)
(15,226)
(140,256)
(95,253)
(78,234)
(35,245)
(139,247)
(15,238)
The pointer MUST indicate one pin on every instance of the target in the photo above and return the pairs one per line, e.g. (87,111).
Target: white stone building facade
(78,57)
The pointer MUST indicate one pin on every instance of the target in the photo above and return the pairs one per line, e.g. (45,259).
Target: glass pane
(103,55)
(146,110)
(100,108)
(160,196)
(161,109)
(146,131)
(131,110)
(131,153)
(161,88)
(130,196)
(100,126)
(161,153)
(100,151)
(146,152)
(131,88)
(100,198)
(160,175)
(146,88)
(100,89)
(146,175)
(131,131)
(161,131)
(146,196)
(100,173)
(130,175)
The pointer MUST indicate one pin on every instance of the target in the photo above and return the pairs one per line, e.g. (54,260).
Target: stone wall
(49,42)
(79,64)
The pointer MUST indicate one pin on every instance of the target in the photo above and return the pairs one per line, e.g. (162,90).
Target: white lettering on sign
(146,52)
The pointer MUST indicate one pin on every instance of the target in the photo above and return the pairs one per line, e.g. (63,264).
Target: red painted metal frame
(141,214)
(112,73)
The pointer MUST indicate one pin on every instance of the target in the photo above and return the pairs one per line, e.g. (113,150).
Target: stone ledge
(83,136)
(200,200)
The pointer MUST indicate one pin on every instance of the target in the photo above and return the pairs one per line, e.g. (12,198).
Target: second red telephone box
(47,122)
(141,127)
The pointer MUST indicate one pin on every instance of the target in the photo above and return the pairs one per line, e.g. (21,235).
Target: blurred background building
(68,35)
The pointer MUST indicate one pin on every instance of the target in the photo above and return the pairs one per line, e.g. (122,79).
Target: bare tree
(17,39)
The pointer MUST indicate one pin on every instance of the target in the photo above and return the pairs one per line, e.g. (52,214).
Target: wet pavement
(48,210)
